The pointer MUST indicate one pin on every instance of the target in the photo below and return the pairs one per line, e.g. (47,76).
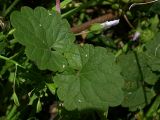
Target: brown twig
(129,23)
(143,3)
(101,19)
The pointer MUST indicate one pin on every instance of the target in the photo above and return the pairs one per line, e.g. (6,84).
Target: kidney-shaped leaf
(45,36)
(96,84)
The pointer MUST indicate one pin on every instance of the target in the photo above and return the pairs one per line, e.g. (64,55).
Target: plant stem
(12,61)
(154,107)
(82,6)
(101,19)
(11,112)
(58,6)
(10,7)
(4,8)
(142,78)
(62,4)
(14,79)
(143,3)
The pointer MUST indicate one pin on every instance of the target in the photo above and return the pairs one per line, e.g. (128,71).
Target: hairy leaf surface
(135,94)
(138,98)
(45,36)
(153,53)
(95,83)
(131,71)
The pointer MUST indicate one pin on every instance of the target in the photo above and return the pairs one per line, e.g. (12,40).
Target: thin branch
(129,23)
(58,9)
(12,61)
(10,7)
(14,79)
(143,3)
(101,19)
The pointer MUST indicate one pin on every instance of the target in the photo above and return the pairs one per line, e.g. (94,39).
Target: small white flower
(136,36)
(109,24)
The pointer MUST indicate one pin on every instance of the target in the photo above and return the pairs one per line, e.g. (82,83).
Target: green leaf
(95,83)
(15,98)
(11,112)
(131,71)
(153,53)
(51,87)
(45,36)
(72,54)
(39,106)
(147,35)
(154,23)
(97,27)
(136,99)
(149,76)
(32,99)
(133,87)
